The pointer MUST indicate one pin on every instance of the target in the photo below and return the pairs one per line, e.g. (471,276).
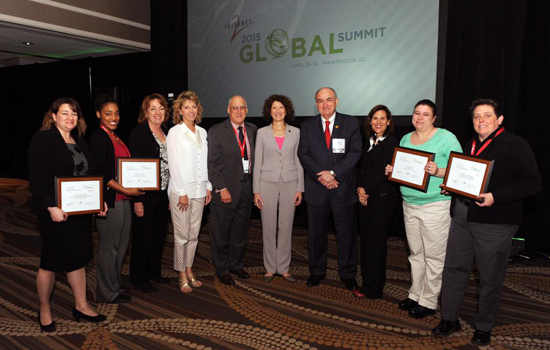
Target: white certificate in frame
(408,168)
(79,195)
(467,176)
(142,173)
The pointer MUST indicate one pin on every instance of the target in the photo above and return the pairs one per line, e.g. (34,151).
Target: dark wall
(501,50)
(169,46)
(26,93)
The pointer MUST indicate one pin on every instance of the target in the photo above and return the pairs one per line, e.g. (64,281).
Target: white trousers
(427,228)
(187,226)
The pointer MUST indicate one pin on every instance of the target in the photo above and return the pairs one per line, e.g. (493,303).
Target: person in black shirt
(484,229)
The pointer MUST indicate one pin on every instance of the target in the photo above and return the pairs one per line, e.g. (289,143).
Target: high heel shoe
(184,286)
(195,283)
(46,328)
(95,319)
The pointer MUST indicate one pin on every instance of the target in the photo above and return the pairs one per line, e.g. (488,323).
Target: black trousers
(490,245)
(148,237)
(344,221)
(229,232)
(374,223)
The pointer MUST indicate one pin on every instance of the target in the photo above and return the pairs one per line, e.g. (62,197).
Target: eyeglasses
(236,108)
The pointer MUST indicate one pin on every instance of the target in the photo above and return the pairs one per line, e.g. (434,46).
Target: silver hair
(229,102)
(326,87)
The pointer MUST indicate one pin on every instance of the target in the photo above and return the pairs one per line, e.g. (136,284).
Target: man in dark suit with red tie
(230,163)
(329,149)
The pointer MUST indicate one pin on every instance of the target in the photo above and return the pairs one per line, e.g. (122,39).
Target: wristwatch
(332,173)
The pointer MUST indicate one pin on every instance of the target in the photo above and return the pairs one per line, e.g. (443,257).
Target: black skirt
(66,246)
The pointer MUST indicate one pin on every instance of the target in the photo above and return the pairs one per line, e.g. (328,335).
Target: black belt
(466,201)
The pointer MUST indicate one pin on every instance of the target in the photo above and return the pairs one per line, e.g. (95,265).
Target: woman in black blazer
(377,197)
(59,150)
(148,139)
(113,230)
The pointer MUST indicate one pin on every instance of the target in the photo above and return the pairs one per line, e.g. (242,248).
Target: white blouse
(187,161)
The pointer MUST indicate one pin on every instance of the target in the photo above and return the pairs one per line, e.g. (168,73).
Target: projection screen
(370,51)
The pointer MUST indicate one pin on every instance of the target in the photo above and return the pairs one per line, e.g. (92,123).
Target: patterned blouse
(80,161)
(164,172)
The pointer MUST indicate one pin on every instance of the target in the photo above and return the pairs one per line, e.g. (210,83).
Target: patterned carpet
(252,314)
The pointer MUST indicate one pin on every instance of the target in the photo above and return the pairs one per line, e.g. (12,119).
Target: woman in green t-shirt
(427,215)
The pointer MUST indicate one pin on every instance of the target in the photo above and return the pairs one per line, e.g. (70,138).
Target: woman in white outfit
(189,190)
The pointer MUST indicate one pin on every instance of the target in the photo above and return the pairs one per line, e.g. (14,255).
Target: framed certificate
(142,173)
(408,168)
(467,176)
(79,195)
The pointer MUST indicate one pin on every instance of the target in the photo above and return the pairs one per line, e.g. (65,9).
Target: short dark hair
(368,127)
(485,101)
(428,103)
(48,122)
(102,100)
(285,101)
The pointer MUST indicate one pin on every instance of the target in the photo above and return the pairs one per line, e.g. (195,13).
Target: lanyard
(114,137)
(241,145)
(485,145)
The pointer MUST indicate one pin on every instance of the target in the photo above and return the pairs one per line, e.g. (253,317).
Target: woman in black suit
(148,139)
(377,197)
(113,230)
(59,150)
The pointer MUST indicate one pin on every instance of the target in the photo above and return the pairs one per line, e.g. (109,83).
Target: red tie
(327,133)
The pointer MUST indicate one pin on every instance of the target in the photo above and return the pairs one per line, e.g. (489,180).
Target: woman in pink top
(278,184)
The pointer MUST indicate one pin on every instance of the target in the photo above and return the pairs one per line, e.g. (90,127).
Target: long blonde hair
(186,95)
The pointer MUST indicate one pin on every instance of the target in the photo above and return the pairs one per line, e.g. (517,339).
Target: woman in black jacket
(114,230)
(148,139)
(377,197)
(58,150)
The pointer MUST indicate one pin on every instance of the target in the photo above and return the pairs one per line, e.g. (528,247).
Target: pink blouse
(280,140)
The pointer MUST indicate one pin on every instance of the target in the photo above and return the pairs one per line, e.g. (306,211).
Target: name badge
(245,165)
(338,145)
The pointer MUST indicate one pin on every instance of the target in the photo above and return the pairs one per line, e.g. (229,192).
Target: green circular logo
(277,43)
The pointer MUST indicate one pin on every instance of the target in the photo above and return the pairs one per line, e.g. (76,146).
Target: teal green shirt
(441,143)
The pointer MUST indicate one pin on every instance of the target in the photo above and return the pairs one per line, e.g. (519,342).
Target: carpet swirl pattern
(252,314)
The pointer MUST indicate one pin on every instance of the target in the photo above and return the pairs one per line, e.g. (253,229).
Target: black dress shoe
(121,298)
(407,304)
(241,273)
(95,319)
(146,287)
(160,279)
(314,280)
(369,294)
(350,283)
(227,279)
(447,327)
(481,338)
(46,328)
(420,311)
